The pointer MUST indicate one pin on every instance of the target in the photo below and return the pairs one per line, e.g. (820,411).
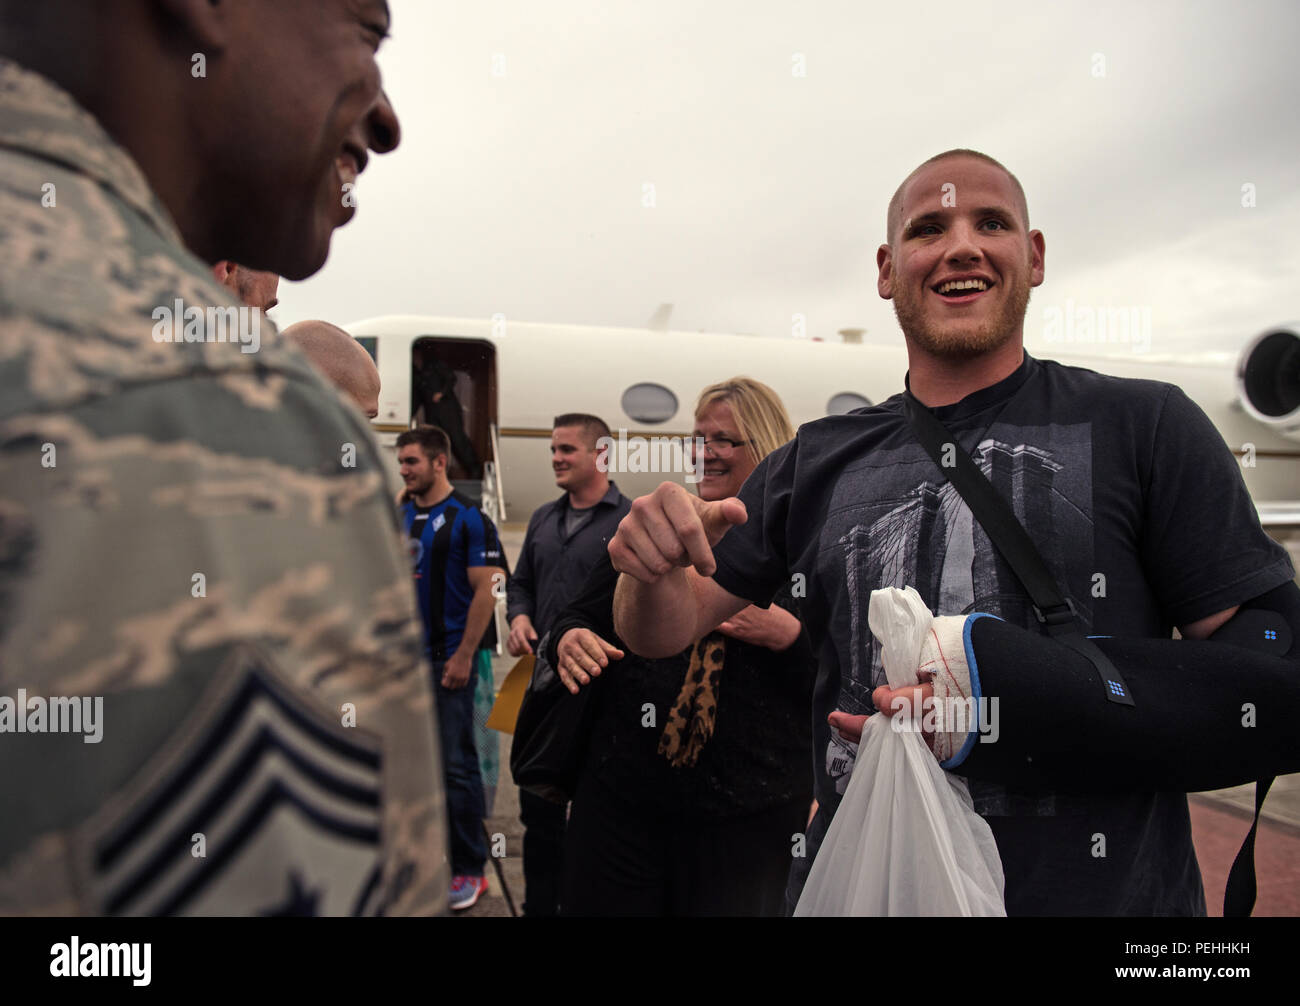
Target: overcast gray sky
(530,130)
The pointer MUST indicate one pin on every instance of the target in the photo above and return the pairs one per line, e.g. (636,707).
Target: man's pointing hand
(672,527)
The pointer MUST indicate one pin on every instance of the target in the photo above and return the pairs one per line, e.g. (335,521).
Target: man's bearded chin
(964,342)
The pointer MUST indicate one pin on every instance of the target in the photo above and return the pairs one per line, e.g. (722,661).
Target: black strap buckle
(1062,614)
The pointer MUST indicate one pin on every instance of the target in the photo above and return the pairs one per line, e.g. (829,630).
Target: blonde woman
(697,777)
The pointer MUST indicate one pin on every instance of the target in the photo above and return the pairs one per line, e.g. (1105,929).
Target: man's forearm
(476,620)
(520,598)
(517,604)
(656,620)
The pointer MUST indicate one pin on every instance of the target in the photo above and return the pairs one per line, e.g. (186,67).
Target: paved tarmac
(503,821)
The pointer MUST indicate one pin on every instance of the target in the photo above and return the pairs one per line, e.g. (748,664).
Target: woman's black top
(760,754)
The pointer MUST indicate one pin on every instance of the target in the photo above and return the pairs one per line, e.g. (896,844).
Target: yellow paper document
(506,708)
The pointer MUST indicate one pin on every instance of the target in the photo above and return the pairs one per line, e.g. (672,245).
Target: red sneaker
(465,891)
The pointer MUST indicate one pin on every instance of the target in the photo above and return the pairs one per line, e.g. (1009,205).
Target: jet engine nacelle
(1268,379)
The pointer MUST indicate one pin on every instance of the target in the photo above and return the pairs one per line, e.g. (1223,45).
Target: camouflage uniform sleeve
(243,618)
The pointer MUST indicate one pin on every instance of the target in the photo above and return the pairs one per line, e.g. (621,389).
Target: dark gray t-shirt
(575,518)
(1139,510)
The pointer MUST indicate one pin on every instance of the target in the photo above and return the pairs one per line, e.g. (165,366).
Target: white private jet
(513,378)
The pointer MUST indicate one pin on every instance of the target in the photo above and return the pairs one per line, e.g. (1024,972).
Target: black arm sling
(1052,608)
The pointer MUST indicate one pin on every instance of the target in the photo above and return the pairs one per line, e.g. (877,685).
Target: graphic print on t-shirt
(893,522)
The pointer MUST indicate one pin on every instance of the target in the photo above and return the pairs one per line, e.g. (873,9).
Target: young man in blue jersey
(455,551)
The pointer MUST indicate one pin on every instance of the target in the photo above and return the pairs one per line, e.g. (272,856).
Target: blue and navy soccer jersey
(446,540)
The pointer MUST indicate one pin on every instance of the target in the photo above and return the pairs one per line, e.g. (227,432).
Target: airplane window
(371,345)
(649,403)
(846,401)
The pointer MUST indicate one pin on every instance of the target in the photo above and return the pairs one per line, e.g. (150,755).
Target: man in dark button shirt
(564,540)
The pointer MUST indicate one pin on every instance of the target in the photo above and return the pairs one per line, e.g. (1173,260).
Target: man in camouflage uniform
(195,539)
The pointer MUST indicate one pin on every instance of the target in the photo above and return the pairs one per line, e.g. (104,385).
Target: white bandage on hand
(956,712)
(913,641)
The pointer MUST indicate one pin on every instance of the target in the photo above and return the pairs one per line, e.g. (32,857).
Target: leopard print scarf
(692,717)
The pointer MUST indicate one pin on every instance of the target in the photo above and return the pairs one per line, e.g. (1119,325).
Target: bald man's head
(341,359)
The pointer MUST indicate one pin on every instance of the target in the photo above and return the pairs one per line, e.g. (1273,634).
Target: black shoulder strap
(1239,893)
(1013,542)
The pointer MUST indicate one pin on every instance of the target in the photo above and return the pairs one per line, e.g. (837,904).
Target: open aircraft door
(465,371)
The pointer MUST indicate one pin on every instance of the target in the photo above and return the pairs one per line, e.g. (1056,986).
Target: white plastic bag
(906,839)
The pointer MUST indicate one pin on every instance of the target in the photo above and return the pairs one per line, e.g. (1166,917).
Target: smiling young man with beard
(456,559)
(1127,479)
(199,535)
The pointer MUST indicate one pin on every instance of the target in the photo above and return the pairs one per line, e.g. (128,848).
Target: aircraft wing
(1279,514)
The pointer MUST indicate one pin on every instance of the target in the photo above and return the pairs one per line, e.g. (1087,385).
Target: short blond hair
(761,419)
